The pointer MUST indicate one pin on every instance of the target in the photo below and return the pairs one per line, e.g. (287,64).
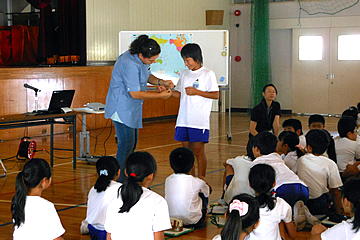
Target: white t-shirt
(269,221)
(218,237)
(182,196)
(347,151)
(41,221)
(302,140)
(150,214)
(317,172)
(240,182)
(341,231)
(97,204)
(195,111)
(291,160)
(283,174)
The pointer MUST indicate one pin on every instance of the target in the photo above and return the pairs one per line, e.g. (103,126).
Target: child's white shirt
(150,214)
(97,204)
(341,231)
(302,141)
(182,196)
(269,221)
(240,182)
(283,174)
(291,160)
(194,111)
(347,151)
(317,172)
(41,221)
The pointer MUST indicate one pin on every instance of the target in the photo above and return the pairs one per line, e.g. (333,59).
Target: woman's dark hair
(291,139)
(236,224)
(351,191)
(261,179)
(182,160)
(269,85)
(138,165)
(146,46)
(193,51)
(33,172)
(107,167)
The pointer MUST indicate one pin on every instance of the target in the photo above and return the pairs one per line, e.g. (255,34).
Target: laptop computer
(59,99)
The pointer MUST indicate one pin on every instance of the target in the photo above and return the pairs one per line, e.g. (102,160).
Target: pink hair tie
(242,207)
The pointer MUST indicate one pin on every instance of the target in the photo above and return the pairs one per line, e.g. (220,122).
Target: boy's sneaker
(84,228)
(299,215)
(310,218)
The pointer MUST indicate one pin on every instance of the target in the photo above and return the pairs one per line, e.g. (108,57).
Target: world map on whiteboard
(169,64)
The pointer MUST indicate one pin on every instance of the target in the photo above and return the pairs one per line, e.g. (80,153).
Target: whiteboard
(214,45)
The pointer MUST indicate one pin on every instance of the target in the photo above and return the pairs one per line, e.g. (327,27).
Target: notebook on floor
(59,99)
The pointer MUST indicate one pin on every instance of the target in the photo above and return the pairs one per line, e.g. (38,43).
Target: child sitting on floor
(294,125)
(187,196)
(288,146)
(100,195)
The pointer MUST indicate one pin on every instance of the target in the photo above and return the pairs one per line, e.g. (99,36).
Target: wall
(284,17)
(104,20)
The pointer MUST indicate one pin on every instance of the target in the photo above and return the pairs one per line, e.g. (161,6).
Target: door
(310,78)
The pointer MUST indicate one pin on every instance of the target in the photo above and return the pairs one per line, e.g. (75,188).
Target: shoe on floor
(310,218)
(84,228)
(299,215)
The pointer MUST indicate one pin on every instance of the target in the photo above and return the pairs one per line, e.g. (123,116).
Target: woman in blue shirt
(127,90)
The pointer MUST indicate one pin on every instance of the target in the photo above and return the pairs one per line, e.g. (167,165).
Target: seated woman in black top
(266,115)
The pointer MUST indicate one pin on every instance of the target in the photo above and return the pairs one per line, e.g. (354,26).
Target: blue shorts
(185,134)
(96,234)
(293,192)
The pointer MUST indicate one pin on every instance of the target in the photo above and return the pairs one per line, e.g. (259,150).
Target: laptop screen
(60,99)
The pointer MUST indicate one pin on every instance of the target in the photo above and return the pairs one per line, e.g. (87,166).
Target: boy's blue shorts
(185,134)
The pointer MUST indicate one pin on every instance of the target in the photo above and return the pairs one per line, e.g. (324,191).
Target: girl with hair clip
(274,212)
(137,213)
(100,195)
(241,219)
(128,89)
(288,145)
(349,229)
(34,217)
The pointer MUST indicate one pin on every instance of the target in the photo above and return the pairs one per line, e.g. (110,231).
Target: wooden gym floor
(69,187)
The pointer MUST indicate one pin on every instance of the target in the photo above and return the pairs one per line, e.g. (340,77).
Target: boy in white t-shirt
(196,88)
(347,148)
(318,172)
(294,125)
(187,196)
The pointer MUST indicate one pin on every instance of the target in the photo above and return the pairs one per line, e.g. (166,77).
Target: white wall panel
(106,18)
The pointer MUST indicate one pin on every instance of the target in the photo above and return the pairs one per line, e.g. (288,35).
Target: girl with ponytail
(34,217)
(100,195)
(241,219)
(288,145)
(273,211)
(137,213)
(349,229)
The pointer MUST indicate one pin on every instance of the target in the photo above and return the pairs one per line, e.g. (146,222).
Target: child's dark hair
(351,112)
(269,85)
(266,142)
(34,171)
(295,123)
(138,165)
(346,124)
(182,160)
(146,46)
(316,118)
(351,191)
(262,179)
(193,51)
(292,140)
(107,167)
(318,140)
(236,222)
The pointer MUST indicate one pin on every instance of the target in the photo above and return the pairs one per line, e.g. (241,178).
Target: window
(349,47)
(310,48)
